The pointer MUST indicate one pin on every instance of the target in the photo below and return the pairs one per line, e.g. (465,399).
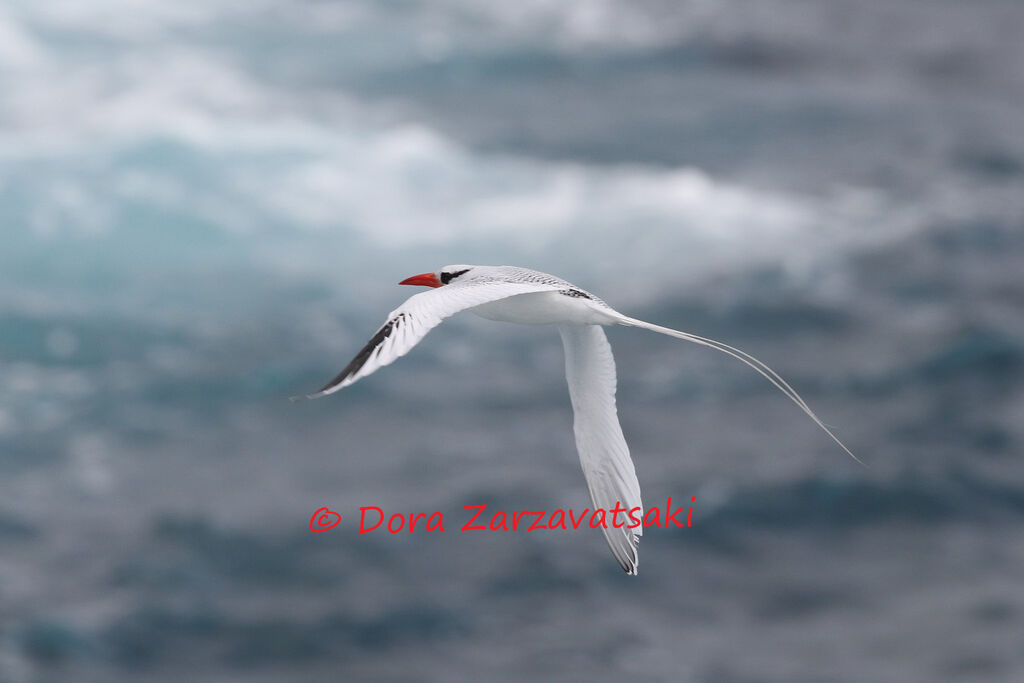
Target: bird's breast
(543,308)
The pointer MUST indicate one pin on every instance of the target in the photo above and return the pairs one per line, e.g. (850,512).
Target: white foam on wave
(410,185)
(18,49)
(270,162)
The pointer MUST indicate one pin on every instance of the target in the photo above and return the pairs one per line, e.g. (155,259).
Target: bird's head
(442,277)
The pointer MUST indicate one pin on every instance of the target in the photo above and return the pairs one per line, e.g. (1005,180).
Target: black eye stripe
(448,277)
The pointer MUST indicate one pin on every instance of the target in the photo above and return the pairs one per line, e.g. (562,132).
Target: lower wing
(604,455)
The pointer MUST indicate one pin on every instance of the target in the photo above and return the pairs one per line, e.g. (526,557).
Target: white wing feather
(604,455)
(410,322)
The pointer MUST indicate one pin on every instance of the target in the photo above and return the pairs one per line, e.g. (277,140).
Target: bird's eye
(448,277)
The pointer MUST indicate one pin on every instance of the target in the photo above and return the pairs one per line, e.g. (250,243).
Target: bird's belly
(542,308)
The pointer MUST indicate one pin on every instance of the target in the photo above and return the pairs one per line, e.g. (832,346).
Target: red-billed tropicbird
(521,295)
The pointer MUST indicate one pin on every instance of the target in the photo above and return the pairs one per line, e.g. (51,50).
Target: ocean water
(204,207)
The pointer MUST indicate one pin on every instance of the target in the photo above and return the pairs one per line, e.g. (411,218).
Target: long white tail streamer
(746,358)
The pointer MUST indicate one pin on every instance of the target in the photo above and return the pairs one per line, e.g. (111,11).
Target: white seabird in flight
(521,295)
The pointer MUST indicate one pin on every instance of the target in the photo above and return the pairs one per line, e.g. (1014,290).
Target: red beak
(426,280)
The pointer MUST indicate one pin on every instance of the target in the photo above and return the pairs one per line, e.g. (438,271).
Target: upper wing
(590,372)
(410,322)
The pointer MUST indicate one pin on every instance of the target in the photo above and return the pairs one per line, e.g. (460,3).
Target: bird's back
(567,305)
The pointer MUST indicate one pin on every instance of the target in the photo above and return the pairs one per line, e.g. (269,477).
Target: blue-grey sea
(205,207)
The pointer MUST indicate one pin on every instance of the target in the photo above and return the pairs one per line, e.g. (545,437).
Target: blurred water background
(204,207)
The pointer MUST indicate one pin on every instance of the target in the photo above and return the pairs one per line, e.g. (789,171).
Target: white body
(544,308)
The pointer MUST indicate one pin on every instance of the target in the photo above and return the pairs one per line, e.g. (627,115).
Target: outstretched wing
(590,372)
(410,322)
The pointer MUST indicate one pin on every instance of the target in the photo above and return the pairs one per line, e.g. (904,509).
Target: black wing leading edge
(409,323)
(361,358)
